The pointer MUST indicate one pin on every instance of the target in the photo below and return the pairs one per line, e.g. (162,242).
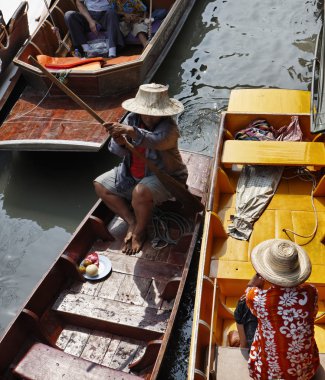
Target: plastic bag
(96,48)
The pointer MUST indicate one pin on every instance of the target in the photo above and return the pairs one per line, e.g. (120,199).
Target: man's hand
(93,26)
(118,129)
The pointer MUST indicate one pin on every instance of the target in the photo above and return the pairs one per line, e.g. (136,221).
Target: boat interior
(225,266)
(121,323)
(45,42)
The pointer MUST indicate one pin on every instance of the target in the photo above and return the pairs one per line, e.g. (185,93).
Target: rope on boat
(162,221)
(55,29)
(305,175)
(31,110)
(150,21)
(61,77)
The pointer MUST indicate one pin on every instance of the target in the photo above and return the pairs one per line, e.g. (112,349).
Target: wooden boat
(225,268)
(113,78)
(73,329)
(13,34)
(43,120)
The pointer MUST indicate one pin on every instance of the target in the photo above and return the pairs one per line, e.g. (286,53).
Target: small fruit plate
(105,266)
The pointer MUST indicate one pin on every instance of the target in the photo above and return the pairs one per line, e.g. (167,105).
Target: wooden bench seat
(287,153)
(44,362)
(106,313)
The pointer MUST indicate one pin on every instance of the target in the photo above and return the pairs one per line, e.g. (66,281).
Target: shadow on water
(175,363)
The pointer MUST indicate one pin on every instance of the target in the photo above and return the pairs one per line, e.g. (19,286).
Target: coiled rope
(162,222)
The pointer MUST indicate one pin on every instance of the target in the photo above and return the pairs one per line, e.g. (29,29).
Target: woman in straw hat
(152,131)
(284,346)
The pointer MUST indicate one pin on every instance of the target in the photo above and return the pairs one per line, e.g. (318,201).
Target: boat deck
(39,122)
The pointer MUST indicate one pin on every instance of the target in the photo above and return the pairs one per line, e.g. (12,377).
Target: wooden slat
(143,268)
(44,362)
(273,153)
(82,305)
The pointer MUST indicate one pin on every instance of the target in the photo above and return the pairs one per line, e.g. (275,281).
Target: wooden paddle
(188,200)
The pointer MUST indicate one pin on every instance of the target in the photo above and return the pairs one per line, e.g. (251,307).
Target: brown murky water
(225,44)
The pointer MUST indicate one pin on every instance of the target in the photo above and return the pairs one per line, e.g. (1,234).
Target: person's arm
(164,136)
(84,11)
(242,336)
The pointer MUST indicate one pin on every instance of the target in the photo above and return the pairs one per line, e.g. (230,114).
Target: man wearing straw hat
(284,346)
(154,134)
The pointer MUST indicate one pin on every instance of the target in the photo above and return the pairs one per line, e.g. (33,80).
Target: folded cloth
(65,62)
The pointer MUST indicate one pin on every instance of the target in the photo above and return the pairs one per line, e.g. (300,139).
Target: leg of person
(117,202)
(142,203)
(78,27)
(110,23)
(148,193)
(140,30)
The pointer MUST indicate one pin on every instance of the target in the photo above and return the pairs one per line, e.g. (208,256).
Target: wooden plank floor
(99,347)
(58,123)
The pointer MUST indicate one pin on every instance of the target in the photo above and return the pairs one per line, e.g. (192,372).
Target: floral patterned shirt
(284,346)
(129,6)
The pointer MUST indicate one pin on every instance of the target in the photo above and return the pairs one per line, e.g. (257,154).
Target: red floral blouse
(284,346)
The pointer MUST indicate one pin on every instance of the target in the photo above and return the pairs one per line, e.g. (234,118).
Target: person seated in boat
(154,134)
(284,346)
(94,16)
(132,18)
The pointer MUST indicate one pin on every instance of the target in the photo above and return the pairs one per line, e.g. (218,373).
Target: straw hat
(153,100)
(281,262)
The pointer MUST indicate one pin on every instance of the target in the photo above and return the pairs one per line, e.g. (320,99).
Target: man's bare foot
(137,243)
(127,246)
(128,236)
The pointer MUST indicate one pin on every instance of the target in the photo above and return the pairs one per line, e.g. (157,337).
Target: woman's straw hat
(281,262)
(153,100)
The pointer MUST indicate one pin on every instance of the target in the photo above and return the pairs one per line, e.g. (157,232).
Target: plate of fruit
(95,266)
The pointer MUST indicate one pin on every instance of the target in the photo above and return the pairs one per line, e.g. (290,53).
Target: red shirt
(138,166)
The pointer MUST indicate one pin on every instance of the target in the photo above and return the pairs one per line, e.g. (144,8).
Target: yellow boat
(225,267)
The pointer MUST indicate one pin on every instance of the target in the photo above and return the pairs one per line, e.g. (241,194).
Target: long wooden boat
(13,34)
(116,328)
(44,119)
(225,268)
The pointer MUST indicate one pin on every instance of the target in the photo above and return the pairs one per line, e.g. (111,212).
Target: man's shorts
(159,193)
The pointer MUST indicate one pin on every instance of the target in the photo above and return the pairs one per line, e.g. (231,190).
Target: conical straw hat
(281,262)
(153,100)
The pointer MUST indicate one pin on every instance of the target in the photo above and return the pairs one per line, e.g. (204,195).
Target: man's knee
(141,193)
(69,16)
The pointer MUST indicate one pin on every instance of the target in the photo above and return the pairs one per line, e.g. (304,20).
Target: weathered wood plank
(124,355)
(110,287)
(112,311)
(133,290)
(96,347)
(143,268)
(77,342)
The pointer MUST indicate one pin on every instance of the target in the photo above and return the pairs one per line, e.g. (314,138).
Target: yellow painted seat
(269,101)
(288,153)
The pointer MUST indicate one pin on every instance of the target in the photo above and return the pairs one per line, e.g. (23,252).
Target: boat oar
(179,191)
